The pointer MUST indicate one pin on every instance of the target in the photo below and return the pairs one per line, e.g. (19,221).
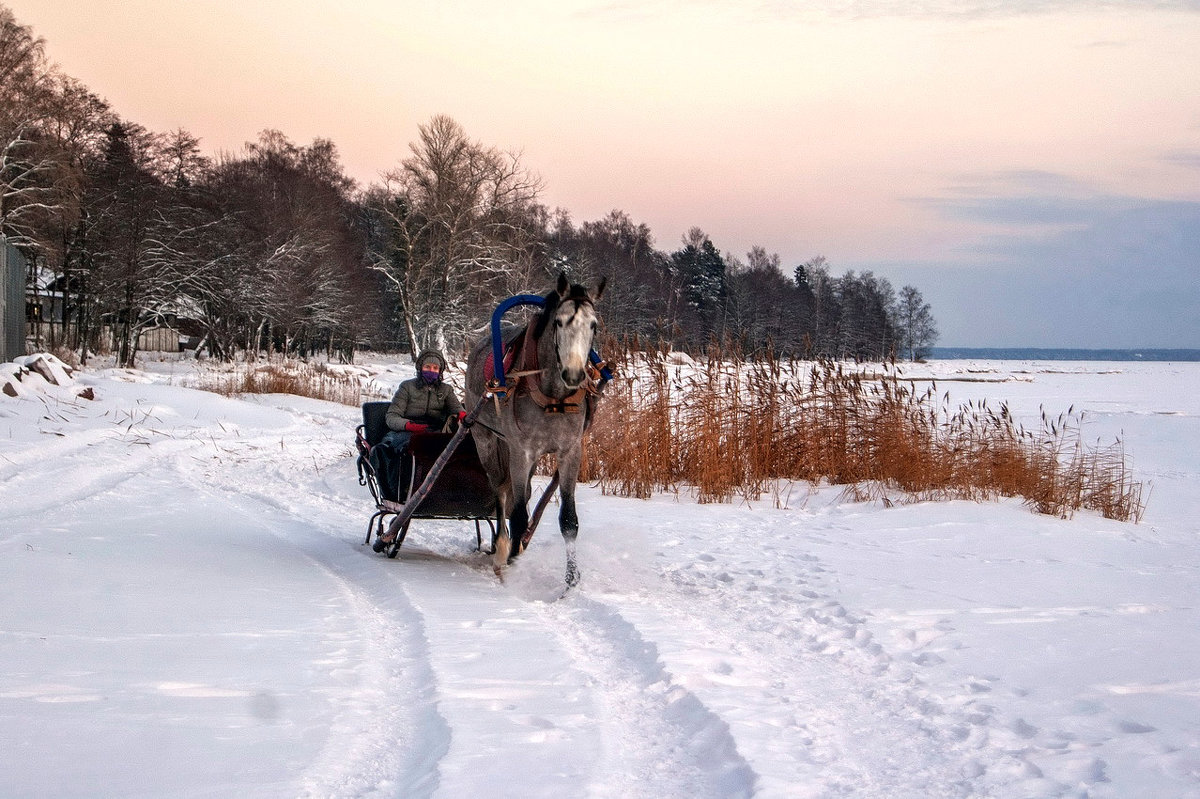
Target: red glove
(462,415)
(415,427)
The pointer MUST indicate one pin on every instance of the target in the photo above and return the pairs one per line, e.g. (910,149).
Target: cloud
(775,10)
(1026,203)
(1185,158)
(1033,211)
(971,9)
(1070,268)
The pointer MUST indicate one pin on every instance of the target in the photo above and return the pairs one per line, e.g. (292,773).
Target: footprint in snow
(1023,729)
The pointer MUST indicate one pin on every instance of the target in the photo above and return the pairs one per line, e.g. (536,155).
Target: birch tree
(454,231)
(32,175)
(916,327)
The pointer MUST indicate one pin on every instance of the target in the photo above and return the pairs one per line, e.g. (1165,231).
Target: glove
(461,415)
(415,427)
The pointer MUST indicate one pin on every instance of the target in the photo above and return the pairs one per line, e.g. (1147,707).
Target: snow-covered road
(186,609)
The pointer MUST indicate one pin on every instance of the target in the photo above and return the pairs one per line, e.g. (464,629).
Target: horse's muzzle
(574,377)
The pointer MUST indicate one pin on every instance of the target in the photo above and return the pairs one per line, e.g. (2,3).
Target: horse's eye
(558,323)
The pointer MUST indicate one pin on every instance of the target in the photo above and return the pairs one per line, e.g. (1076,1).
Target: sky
(1032,166)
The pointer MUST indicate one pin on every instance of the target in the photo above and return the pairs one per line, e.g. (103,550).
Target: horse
(546,412)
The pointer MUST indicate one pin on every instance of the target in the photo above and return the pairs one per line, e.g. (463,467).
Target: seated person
(420,405)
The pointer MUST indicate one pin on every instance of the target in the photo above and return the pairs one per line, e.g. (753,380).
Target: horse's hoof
(573,576)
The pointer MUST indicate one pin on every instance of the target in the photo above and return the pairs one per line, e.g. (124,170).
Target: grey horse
(545,411)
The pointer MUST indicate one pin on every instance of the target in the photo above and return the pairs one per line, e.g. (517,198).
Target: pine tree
(701,273)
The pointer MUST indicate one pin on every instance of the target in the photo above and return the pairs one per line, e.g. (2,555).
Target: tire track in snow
(654,728)
(496,716)
(482,640)
(822,717)
(663,741)
(817,706)
(388,736)
(370,746)
(23,488)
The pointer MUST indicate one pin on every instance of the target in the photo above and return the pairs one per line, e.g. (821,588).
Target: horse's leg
(502,545)
(493,456)
(520,467)
(568,519)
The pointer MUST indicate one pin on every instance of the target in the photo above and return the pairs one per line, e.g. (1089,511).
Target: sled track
(105,473)
(472,654)
(457,683)
(388,736)
(663,739)
(616,693)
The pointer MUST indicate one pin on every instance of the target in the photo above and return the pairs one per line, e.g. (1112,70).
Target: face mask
(430,375)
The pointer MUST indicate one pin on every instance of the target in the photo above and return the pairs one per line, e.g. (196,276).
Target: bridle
(529,383)
(579,302)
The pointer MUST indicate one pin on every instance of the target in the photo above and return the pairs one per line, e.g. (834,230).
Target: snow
(187,609)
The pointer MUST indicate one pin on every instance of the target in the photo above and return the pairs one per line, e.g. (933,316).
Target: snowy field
(187,610)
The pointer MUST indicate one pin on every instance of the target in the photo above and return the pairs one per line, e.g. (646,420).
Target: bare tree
(275,253)
(123,207)
(458,228)
(642,301)
(32,174)
(917,330)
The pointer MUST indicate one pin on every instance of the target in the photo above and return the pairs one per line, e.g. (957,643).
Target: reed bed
(286,377)
(728,427)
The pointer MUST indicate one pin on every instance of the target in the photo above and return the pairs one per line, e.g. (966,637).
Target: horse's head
(569,318)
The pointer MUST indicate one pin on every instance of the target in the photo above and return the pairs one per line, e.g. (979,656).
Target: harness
(529,383)
(525,347)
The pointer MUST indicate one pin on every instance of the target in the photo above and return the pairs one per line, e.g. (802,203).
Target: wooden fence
(159,339)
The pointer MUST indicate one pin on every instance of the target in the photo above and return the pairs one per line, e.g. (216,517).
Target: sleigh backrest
(375,421)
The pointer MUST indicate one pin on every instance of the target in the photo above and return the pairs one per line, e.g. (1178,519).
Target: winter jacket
(425,403)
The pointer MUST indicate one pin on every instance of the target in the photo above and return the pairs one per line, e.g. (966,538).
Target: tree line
(275,248)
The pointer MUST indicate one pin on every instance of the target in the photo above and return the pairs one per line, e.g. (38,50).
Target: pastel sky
(1033,166)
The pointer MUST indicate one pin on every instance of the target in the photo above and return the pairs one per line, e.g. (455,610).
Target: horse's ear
(599,292)
(564,285)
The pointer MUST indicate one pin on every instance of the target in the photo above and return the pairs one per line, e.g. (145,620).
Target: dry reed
(287,377)
(731,427)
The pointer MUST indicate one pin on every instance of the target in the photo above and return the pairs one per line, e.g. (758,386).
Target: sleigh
(440,475)
(460,490)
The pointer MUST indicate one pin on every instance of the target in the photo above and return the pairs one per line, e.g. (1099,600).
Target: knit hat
(431,357)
